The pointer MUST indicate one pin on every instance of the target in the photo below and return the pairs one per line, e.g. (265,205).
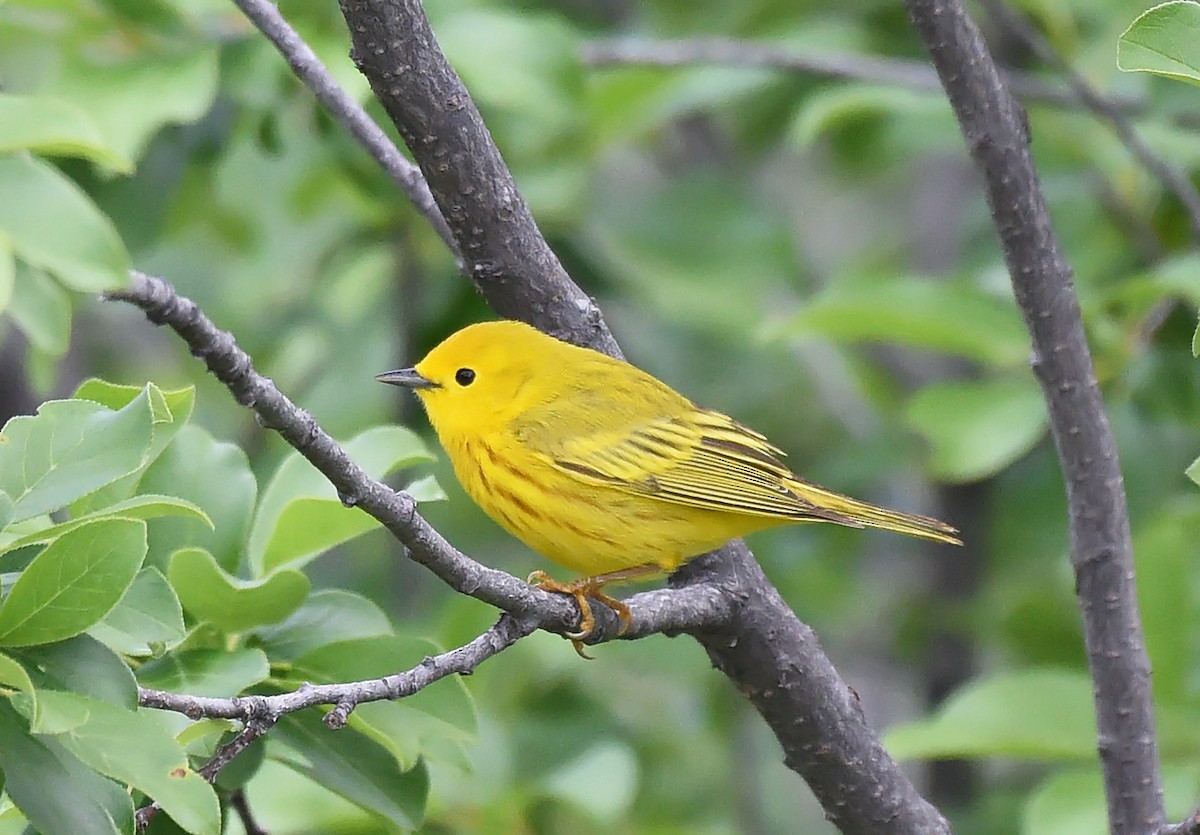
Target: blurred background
(809,253)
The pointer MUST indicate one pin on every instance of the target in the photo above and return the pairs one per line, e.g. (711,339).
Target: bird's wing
(698,458)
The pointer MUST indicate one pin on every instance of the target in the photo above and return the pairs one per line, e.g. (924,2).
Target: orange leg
(592,587)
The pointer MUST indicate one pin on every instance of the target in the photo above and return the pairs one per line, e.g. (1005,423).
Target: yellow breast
(590,529)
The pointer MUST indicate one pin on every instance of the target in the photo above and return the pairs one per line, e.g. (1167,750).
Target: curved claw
(591,588)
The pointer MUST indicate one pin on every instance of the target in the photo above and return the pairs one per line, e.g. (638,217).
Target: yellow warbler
(605,469)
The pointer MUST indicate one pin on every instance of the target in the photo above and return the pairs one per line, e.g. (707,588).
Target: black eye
(464,376)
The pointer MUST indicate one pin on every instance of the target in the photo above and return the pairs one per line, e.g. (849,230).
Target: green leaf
(352,766)
(603,780)
(216,476)
(952,318)
(1070,802)
(155,765)
(74,583)
(69,449)
(81,665)
(230,604)
(6,511)
(206,672)
(1164,550)
(147,506)
(51,127)
(856,107)
(1193,471)
(14,676)
(327,617)
(169,412)
(41,308)
(132,101)
(56,791)
(978,428)
(300,515)
(420,724)
(148,618)
(54,225)
(1163,41)
(1043,714)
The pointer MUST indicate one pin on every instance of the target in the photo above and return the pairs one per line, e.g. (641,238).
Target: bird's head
(479,377)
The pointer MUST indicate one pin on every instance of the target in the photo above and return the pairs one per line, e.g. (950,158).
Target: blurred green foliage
(811,255)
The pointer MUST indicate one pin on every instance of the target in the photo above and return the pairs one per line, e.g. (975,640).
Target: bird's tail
(857,514)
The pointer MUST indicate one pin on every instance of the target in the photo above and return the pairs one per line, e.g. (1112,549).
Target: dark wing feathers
(701,458)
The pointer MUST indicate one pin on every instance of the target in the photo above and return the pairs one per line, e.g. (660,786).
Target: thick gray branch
(769,655)
(996,133)
(502,249)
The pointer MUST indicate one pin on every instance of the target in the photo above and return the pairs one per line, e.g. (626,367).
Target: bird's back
(603,467)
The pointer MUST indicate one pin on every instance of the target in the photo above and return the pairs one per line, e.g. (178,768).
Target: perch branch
(772,657)
(688,609)
(996,133)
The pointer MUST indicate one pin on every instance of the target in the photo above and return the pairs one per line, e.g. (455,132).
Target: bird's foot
(586,589)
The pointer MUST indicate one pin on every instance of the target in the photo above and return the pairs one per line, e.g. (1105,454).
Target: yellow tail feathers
(863,514)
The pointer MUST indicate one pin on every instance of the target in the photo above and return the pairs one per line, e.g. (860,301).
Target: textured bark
(997,134)
(765,650)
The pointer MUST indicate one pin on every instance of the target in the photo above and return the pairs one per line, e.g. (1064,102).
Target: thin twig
(996,133)
(345,696)
(241,805)
(697,607)
(1189,826)
(898,72)
(314,75)
(1175,181)
(259,713)
(251,732)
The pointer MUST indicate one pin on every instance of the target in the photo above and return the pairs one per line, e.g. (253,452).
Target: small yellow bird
(605,469)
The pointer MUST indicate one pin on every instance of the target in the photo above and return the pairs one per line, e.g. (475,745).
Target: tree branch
(260,713)
(1188,826)
(251,732)
(505,253)
(1172,178)
(996,133)
(768,654)
(693,608)
(237,799)
(730,52)
(345,696)
(265,15)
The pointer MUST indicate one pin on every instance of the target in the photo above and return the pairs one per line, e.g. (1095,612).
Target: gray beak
(407,377)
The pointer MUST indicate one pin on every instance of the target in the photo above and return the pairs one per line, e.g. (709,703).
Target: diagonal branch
(996,133)
(772,657)
(251,732)
(345,696)
(505,253)
(260,713)
(697,607)
(309,69)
